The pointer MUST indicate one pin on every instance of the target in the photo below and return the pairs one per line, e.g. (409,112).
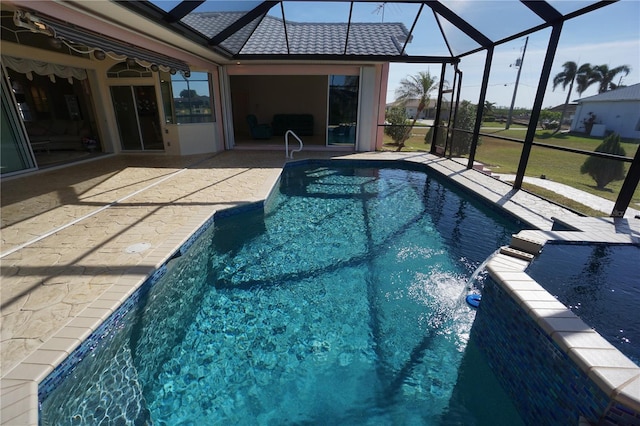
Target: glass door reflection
(343,109)
(136,110)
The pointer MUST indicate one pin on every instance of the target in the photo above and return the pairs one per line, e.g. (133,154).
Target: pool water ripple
(343,303)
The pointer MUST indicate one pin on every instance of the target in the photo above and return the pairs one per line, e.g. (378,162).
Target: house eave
(348,58)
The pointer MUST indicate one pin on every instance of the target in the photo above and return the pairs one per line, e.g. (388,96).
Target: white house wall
(196,138)
(367,110)
(621,117)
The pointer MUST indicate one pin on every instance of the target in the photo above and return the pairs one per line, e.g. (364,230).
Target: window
(189,99)
(128,69)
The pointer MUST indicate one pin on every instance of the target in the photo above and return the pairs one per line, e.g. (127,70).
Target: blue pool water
(341,303)
(600,283)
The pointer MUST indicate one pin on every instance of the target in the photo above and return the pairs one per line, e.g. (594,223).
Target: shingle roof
(629,93)
(304,37)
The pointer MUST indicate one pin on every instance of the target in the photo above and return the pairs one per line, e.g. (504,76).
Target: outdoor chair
(258,131)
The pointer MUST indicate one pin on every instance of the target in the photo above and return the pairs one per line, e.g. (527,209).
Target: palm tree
(582,79)
(604,76)
(567,77)
(419,87)
(487,109)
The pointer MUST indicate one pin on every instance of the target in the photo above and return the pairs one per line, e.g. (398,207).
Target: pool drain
(137,248)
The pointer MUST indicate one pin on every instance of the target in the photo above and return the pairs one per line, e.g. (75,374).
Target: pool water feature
(600,283)
(342,303)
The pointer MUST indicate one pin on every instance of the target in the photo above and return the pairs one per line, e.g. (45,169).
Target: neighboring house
(613,111)
(411,108)
(569,113)
(103,73)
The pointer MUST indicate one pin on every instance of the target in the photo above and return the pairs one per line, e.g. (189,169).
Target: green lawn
(563,167)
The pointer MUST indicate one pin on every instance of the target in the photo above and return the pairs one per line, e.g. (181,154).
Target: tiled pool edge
(595,359)
(20,386)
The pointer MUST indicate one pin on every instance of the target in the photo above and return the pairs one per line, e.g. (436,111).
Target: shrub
(459,142)
(465,120)
(428,138)
(399,130)
(604,170)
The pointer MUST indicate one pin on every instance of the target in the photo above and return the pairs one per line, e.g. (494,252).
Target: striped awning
(77,35)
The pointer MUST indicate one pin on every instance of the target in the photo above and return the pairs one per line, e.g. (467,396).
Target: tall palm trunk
(564,108)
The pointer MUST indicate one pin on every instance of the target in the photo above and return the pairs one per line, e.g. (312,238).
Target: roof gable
(629,93)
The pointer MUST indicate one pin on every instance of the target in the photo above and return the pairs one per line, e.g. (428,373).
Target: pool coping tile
(88,323)
(48,357)
(73,332)
(615,379)
(19,402)
(58,343)
(504,263)
(609,369)
(29,372)
(99,313)
(551,320)
(537,295)
(589,358)
(629,393)
(568,340)
(522,285)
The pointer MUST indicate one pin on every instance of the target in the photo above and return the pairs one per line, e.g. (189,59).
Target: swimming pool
(342,303)
(600,283)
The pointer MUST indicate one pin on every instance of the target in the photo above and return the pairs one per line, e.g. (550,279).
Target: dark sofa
(301,124)
(257,130)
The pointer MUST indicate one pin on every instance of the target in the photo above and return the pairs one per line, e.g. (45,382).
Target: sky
(608,36)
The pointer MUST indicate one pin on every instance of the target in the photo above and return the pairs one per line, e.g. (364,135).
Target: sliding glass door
(136,110)
(343,109)
(15,154)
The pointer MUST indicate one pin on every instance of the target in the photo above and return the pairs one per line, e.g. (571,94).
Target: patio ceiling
(437,31)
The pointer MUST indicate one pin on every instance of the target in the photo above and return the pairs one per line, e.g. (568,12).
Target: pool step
(519,254)
(527,245)
(481,168)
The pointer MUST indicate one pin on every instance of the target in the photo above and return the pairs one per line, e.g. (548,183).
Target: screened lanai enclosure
(460,43)
(437,34)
